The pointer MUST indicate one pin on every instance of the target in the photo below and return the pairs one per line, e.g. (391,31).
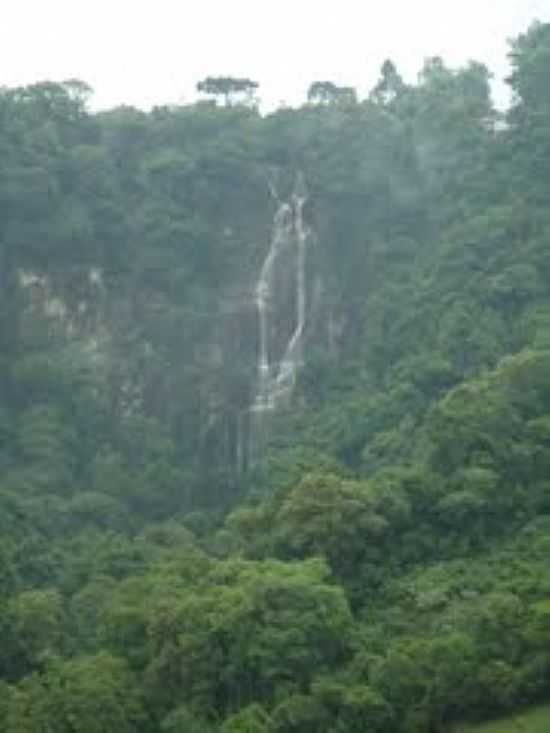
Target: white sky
(145,52)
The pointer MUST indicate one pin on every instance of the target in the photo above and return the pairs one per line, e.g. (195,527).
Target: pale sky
(145,52)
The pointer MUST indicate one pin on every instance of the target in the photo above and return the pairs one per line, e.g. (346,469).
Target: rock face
(213,376)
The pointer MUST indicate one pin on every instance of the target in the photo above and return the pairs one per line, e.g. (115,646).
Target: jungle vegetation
(383,567)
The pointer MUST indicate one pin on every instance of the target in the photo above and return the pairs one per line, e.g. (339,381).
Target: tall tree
(231,89)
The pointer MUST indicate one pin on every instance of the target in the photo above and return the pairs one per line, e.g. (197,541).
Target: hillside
(275,407)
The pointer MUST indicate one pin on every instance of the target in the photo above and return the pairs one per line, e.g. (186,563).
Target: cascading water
(293,355)
(279,360)
(264,296)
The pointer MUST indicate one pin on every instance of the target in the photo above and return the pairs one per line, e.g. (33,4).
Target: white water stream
(277,373)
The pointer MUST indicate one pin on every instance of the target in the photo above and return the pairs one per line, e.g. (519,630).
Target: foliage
(383,564)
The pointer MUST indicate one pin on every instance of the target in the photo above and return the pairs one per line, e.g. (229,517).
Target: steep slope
(275,409)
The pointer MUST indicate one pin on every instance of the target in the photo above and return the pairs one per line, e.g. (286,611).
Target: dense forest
(275,406)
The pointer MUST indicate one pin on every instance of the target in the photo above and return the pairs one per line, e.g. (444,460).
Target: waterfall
(293,355)
(264,295)
(277,371)
(239,452)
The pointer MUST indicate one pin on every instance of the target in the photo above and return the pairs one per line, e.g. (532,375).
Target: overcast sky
(147,52)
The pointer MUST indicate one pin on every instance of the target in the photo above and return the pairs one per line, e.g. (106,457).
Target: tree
(390,84)
(232,90)
(528,115)
(85,695)
(37,620)
(253,630)
(326,92)
(530,56)
(182,720)
(328,515)
(252,719)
